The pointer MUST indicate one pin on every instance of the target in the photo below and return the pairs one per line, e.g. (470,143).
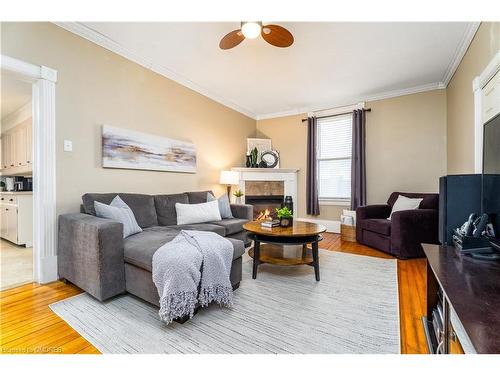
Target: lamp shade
(229,178)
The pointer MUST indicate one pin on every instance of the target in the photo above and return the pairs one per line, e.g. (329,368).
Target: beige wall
(405,144)
(460,99)
(97,87)
(405,147)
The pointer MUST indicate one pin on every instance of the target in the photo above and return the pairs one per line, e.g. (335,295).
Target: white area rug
(353,309)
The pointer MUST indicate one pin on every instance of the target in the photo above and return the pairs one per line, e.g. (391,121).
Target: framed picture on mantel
(262,144)
(129,149)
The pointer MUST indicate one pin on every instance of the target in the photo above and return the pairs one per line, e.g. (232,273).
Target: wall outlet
(68,145)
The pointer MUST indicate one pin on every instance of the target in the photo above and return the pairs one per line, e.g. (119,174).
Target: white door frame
(477,86)
(44,81)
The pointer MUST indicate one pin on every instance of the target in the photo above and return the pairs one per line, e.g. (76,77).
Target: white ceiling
(14,95)
(330,64)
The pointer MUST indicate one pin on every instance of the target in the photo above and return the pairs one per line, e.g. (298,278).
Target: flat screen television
(491,173)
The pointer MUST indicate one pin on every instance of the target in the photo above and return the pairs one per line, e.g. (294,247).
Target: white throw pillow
(224,205)
(197,213)
(404,203)
(119,211)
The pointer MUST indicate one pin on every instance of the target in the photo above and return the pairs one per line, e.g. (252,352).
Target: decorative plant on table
(238,194)
(285,215)
(254,156)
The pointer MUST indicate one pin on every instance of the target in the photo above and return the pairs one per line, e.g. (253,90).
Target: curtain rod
(338,114)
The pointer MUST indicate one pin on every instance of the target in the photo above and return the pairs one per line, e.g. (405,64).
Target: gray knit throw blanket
(192,259)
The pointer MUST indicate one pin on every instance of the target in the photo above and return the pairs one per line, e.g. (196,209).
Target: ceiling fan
(276,35)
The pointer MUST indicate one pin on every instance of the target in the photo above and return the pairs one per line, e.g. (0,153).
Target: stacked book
(270,223)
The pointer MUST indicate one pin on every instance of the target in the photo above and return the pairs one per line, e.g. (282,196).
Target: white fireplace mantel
(288,176)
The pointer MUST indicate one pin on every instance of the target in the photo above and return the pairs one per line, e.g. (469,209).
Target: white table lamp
(229,178)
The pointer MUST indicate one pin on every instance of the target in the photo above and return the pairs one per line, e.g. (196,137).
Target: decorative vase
(288,202)
(286,222)
(238,200)
(248,161)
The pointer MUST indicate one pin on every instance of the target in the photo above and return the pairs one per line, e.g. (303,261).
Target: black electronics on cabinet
(459,196)
(491,172)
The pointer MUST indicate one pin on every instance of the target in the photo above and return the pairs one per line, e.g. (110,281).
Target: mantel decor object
(254,156)
(238,194)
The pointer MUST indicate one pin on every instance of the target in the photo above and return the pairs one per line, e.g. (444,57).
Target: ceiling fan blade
(277,36)
(231,40)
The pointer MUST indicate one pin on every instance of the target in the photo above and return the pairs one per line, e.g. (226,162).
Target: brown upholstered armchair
(403,235)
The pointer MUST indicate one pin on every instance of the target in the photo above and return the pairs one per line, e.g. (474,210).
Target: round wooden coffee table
(285,246)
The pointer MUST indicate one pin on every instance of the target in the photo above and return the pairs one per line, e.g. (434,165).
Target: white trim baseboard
(332,226)
(48,266)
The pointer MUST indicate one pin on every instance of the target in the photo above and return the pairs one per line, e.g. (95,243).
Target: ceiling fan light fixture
(251,30)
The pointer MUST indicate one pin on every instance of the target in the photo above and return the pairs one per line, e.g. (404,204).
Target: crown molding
(467,37)
(19,115)
(113,46)
(368,98)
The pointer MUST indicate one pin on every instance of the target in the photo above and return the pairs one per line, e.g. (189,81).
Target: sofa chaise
(93,254)
(403,235)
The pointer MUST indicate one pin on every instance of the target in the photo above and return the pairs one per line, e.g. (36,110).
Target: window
(334,157)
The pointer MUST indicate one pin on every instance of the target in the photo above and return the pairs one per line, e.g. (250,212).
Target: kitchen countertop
(16,192)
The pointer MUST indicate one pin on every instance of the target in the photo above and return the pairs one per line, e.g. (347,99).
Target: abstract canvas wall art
(128,149)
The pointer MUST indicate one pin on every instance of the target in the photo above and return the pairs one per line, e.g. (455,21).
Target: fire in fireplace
(263,215)
(264,206)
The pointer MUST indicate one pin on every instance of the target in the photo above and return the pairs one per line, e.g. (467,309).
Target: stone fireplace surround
(265,197)
(272,182)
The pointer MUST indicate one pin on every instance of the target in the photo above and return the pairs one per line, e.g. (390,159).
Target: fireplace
(265,188)
(264,206)
(265,196)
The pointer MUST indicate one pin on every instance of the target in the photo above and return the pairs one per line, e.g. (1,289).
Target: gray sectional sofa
(93,254)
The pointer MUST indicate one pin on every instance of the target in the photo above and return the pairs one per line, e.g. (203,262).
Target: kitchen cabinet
(16,217)
(17,144)
(9,223)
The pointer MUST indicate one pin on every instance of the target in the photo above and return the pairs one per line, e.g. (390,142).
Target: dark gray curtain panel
(358,167)
(312,203)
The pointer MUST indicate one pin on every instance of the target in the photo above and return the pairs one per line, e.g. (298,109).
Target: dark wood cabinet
(466,292)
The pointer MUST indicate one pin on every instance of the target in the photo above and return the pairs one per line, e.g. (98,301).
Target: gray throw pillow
(119,211)
(224,205)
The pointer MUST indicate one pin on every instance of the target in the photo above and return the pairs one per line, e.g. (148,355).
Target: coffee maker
(23,183)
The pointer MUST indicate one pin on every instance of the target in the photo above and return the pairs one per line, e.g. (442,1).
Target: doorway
(16,183)
(37,159)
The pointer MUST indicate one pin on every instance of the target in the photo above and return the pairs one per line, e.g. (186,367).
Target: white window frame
(329,200)
(333,201)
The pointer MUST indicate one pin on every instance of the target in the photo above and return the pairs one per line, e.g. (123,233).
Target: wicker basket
(348,233)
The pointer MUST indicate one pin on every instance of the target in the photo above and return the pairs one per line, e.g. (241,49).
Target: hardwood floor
(27,325)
